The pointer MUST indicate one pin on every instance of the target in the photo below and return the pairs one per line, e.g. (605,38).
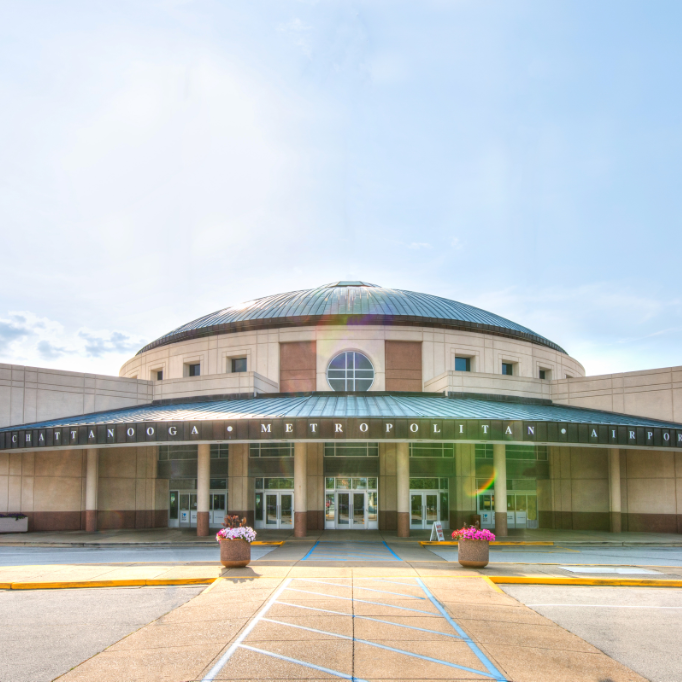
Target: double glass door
(352,509)
(522,510)
(182,509)
(424,509)
(278,508)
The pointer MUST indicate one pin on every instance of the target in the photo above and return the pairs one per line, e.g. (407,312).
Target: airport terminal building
(347,406)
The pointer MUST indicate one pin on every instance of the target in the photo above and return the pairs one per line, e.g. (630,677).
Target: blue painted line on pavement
(312,549)
(479,654)
(392,552)
(305,664)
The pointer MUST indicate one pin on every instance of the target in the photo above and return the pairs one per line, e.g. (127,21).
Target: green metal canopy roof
(351,406)
(350,303)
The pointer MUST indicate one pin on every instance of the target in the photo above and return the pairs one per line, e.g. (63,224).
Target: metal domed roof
(350,303)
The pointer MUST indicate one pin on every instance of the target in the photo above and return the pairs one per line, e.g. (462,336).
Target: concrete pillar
(91,484)
(300,490)
(403,485)
(614,491)
(500,464)
(203,487)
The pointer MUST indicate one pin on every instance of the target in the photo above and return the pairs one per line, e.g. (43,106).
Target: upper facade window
(238,364)
(194,370)
(507,368)
(463,364)
(350,371)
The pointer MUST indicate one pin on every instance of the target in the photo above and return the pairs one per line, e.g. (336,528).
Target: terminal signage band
(377,429)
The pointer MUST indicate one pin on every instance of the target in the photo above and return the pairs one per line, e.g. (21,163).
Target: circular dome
(350,303)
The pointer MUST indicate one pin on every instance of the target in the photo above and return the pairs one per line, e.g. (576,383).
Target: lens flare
(488,485)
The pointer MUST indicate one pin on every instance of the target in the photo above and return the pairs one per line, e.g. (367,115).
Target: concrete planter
(235,553)
(12,525)
(473,553)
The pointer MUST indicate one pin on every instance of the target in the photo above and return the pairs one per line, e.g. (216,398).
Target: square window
(463,364)
(158,375)
(543,374)
(194,370)
(507,368)
(238,364)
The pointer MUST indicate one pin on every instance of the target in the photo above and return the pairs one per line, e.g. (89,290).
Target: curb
(594,582)
(105,583)
(493,580)
(127,545)
(427,543)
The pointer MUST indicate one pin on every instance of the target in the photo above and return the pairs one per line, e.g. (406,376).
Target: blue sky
(161,160)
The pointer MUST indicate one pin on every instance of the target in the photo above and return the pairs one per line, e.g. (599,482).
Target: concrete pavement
(47,633)
(348,623)
(640,627)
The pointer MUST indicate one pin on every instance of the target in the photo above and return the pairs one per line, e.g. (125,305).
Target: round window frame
(357,352)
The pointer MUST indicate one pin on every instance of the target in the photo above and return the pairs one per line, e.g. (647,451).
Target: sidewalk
(159,537)
(294,559)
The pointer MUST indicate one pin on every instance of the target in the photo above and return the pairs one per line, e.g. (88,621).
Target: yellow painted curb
(277,543)
(598,582)
(107,583)
(492,584)
(494,542)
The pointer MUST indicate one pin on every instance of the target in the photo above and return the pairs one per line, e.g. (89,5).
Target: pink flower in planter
(473,534)
(241,533)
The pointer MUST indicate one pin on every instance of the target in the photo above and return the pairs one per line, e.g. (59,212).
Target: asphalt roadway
(577,555)
(589,555)
(45,633)
(639,627)
(37,556)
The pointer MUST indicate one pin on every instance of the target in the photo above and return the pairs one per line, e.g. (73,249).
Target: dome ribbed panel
(340,304)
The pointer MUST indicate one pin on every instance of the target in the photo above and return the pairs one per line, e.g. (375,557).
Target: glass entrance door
(522,510)
(424,509)
(173,509)
(218,507)
(279,510)
(185,519)
(352,510)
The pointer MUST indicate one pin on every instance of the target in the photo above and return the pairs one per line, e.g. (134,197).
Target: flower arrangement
(473,533)
(236,530)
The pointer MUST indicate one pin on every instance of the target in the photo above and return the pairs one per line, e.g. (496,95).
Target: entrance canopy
(388,417)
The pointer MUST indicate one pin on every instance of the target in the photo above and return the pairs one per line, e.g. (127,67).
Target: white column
(300,490)
(91,485)
(614,491)
(403,486)
(203,487)
(500,464)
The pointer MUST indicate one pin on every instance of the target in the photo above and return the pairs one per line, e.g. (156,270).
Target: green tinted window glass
(218,483)
(351,449)
(259,484)
(329,483)
(484,451)
(432,450)
(279,483)
(423,484)
(220,451)
(520,452)
(372,483)
(444,507)
(168,452)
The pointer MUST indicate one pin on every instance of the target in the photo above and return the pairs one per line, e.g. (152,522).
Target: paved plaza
(355,609)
